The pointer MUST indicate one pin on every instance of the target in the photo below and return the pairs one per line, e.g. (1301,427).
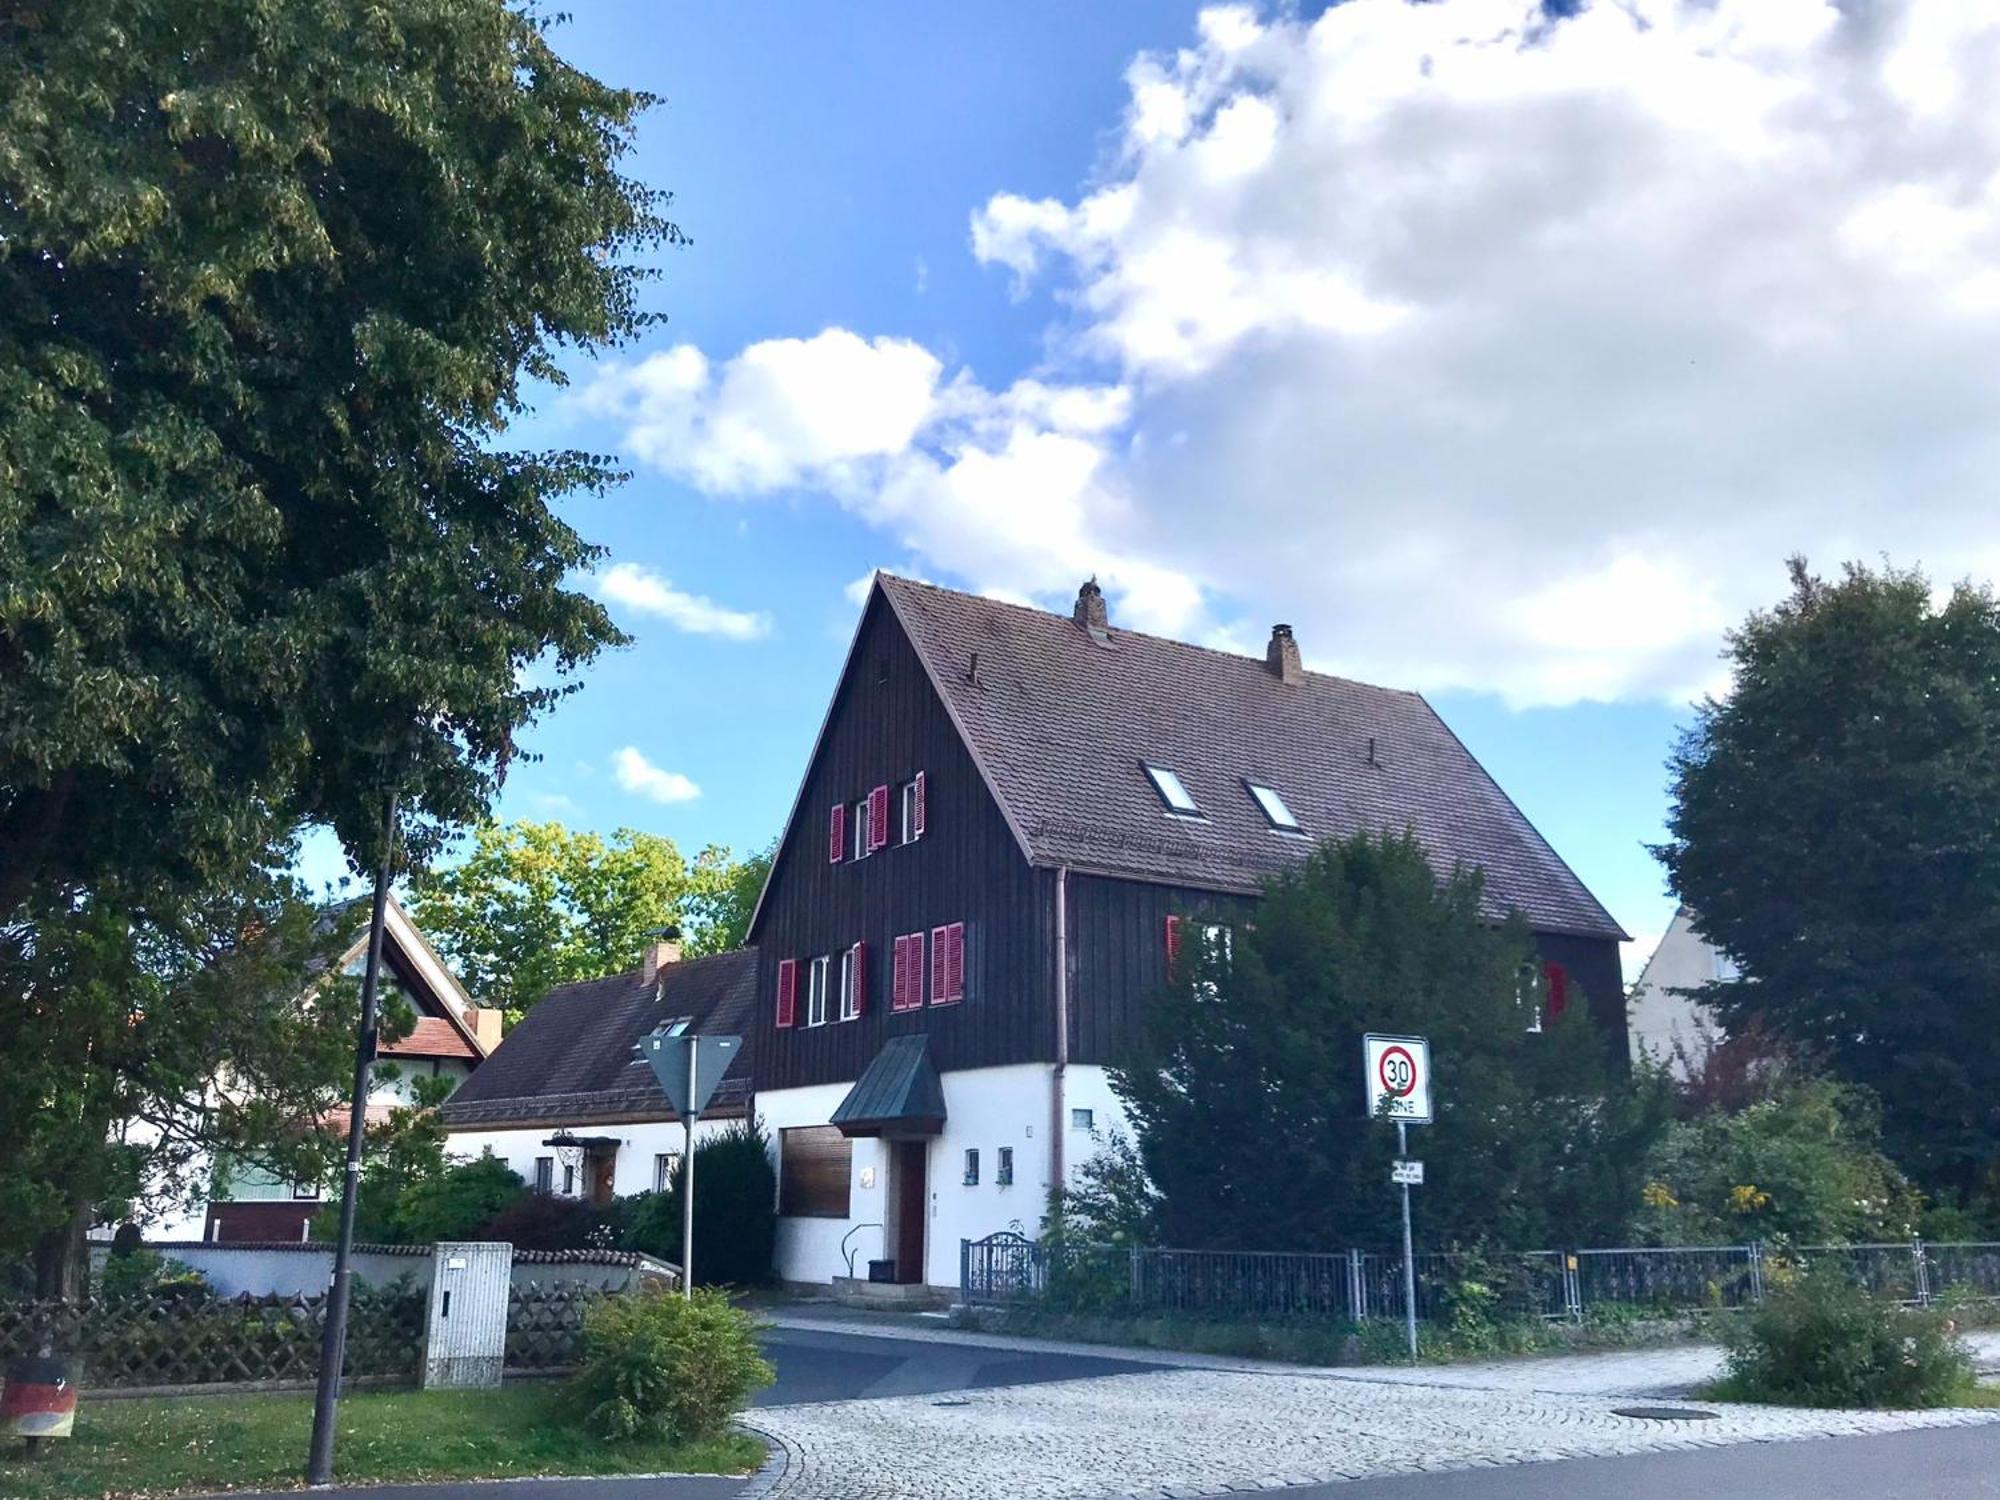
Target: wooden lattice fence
(178,1340)
(545,1324)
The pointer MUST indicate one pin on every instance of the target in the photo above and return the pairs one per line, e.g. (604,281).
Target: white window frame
(906,813)
(1003,1167)
(1276,811)
(666,1167)
(850,1000)
(857,837)
(1172,790)
(545,1181)
(971,1166)
(819,975)
(1083,1119)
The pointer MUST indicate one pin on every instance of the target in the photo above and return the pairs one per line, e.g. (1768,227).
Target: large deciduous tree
(537,904)
(1247,1095)
(271,280)
(1836,831)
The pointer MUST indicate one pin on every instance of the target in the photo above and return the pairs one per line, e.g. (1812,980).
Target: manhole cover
(1665,1413)
(953,1401)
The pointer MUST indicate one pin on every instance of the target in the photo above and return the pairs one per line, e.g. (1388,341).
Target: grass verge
(168,1445)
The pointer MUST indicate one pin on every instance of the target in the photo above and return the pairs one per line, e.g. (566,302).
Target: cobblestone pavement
(1199,1432)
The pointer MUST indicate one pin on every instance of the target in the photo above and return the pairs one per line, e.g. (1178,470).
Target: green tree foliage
(119,1022)
(735,1211)
(271,281)
(411,1192)
(1247,1094)
(1803,1164)
(535,905)
(1836,826)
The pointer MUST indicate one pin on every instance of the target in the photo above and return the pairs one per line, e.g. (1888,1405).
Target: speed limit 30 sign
(1399,1078)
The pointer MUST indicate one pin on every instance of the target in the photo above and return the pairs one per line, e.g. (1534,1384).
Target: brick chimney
(664,950)
(1281,657)
(484,1023)
(1090,612)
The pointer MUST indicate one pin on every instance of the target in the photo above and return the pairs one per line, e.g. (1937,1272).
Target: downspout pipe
(1058,1074)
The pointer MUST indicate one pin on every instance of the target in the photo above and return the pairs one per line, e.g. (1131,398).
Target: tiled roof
(570,1058)
(1060,723)
(432,1036)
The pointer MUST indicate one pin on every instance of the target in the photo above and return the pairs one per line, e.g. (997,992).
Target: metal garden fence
(1356,1285)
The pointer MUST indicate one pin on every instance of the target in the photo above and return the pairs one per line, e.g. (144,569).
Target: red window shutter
(878,818)
(1173,944)
(904,979)
(955,964)
(836,838)
(1556,979)
(940,965)
(788,991)
(917,822)
(861,979)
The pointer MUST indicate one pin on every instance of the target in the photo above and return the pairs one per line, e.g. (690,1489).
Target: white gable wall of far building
(1665,1025)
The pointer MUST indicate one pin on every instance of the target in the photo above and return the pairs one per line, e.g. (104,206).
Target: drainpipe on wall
(1056,1077)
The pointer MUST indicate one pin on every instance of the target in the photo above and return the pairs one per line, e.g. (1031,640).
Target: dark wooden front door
(912,1209)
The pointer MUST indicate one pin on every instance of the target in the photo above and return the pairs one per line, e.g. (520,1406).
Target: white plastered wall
(986,1109)
(632,1169)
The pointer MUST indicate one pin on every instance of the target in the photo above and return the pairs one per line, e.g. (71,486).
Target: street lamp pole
(333,1342)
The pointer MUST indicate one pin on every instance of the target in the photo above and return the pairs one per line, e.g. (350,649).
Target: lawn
(200,1443)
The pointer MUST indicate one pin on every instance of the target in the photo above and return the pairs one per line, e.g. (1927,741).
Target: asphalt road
(1944,1463)
(815,1366)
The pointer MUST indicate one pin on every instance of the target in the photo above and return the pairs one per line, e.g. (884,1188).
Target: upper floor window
(1168,785)
(853,982)
(1280,816)
(818,975)
(857,822)
(910,810)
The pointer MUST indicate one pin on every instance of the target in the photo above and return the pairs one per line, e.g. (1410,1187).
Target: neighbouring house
(451,1038)
(1667,1024)
(1006,817)
(568,1104)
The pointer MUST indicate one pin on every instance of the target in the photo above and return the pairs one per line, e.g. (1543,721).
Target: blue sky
(1505,356)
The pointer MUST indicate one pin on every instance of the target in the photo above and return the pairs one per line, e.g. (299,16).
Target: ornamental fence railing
(181,1339)
(1354,1286)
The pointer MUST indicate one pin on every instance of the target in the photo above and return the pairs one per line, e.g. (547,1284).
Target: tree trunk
(62,1258)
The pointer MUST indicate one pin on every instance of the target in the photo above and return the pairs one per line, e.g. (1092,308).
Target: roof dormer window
(1280,816)
(1168,785)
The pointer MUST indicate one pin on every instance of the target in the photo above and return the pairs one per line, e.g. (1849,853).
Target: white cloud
(1494,351)
(637,774)
(640,588)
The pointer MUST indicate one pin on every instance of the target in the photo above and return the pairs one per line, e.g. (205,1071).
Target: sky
(1506,352)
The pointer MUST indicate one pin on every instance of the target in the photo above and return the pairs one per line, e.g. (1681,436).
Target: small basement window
(1280,816)
(1168,785)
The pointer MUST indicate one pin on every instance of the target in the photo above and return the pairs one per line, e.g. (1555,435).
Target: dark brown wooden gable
(885,725)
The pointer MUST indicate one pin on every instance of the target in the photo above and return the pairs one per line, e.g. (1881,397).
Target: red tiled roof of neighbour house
(1061,720)
(570,1060)
(432,1036)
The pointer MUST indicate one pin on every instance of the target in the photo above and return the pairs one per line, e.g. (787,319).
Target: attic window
(1274,807)
(1168,785)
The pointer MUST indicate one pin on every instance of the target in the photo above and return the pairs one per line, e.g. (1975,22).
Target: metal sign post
(688,1084)
(1398,1083)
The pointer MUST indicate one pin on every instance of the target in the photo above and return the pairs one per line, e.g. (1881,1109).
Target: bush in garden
(543,1221)
(1819,1340)
(735,1211)
(138,1273)
(655,1364)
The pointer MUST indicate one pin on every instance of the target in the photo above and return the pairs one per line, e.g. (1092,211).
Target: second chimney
(1282,655)
(665,950)
(1090,612)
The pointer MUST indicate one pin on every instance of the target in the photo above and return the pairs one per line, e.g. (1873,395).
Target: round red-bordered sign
(1396,1070)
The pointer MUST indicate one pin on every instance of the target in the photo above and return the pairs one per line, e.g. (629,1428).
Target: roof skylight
(1274,806)
(1168,785)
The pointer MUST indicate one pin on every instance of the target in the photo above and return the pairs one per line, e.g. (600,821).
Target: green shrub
(735,1212)
(141,1273)
(1819,1340)
(657,1365)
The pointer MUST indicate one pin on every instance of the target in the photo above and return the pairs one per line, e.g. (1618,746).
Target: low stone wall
(306,1269)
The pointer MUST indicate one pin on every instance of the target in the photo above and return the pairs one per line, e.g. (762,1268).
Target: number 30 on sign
(1398,1078)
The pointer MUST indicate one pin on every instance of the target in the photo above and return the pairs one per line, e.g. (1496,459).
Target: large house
(1005,818)
(450,1039)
